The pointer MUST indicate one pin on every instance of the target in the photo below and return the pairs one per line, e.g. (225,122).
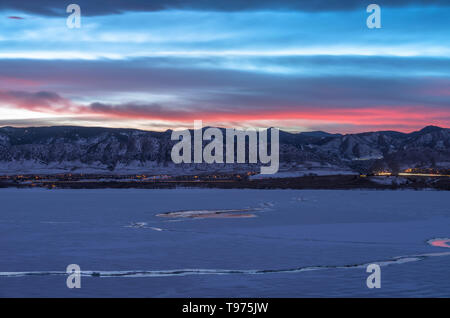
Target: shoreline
(334,182)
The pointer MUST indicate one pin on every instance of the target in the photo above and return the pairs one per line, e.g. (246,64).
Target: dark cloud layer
(236,89)
(103,7)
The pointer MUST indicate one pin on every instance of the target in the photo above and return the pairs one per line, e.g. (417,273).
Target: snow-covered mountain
(123,151)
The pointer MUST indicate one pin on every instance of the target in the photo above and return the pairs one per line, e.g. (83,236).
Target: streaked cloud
(105,7)
(163,64)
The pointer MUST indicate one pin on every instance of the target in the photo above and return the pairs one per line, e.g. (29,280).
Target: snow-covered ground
(389,180)
(153,168)
(298,243)
(304,172)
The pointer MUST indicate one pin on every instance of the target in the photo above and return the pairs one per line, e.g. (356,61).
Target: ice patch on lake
(303,199)
(247,212)
(203,214)
(267,205)
(137,224)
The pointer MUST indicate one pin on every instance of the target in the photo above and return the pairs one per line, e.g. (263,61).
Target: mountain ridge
(57,149)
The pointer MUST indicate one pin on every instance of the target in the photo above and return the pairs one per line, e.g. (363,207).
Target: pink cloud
(407,118)
(8,81)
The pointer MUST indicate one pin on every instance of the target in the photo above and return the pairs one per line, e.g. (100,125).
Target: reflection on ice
(440,242)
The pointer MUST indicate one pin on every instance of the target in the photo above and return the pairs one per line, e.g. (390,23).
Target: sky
(297,65)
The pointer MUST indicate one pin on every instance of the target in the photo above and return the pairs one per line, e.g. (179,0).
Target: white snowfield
(389,180)
(134,167)
(308,169)
(302,173)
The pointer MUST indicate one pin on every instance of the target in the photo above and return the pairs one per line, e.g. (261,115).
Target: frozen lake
(229,243)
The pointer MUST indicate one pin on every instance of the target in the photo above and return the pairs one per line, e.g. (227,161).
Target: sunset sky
(298,65)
